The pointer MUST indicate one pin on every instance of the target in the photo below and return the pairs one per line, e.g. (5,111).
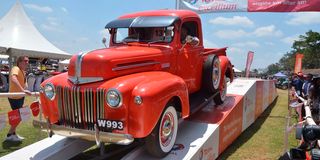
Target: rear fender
(225,67)
(156,91)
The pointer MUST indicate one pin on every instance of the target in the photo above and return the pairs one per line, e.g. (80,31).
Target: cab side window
(188,28)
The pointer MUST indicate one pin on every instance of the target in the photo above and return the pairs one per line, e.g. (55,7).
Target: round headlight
(49,91)
(113,98)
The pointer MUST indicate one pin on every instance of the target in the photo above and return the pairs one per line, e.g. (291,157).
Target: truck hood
(112,62)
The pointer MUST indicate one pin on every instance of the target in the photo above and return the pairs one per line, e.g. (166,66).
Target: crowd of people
(308,87)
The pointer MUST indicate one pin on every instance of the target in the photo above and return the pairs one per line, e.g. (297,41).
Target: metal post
(288,118)
(177,4)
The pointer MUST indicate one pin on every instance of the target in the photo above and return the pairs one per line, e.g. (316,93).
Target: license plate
(110,124)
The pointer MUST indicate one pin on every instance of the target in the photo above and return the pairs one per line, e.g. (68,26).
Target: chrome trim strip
(79,105)
(116,138)
(79,63)
(59,102)
(83,80)
(134,66)
(165,65)
(85,107)
(90,107)
(73,120)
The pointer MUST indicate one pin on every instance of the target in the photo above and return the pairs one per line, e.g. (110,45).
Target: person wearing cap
(297,83)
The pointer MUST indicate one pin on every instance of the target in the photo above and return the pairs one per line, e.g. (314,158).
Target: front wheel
(162,138)
(221,96)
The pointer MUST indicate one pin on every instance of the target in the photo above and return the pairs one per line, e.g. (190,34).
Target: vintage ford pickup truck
(140,85)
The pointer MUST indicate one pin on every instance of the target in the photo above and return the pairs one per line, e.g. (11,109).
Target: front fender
(156,91)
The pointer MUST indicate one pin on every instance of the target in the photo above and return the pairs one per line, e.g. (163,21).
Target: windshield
(146,35)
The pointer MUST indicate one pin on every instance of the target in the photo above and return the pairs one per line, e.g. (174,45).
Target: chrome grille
(80,108)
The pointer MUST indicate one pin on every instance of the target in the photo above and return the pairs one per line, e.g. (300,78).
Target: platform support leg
(102,148)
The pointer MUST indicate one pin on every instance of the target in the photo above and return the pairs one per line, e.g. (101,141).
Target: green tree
(273,69)
(309,46)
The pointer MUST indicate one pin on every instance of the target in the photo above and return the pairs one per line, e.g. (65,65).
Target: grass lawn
(262,140)
(265,138)
(24,129)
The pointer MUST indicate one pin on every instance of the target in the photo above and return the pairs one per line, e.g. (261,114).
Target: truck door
(189,57)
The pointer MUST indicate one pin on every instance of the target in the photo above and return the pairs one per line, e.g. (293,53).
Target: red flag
(298,64)
(14,117)
(249,62)
(35,108)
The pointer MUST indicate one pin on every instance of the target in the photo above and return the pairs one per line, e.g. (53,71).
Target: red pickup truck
(140,85)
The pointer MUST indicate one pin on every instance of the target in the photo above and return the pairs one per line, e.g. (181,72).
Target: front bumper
(116,138)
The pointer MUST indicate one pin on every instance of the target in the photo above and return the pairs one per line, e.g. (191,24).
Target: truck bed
(216,51)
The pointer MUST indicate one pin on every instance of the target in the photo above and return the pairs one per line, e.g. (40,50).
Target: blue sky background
(77,25)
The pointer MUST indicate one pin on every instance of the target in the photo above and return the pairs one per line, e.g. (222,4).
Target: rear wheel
(162,138)
(211,74)
(221,96)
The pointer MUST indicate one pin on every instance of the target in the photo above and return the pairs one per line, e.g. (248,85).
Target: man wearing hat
(297,83)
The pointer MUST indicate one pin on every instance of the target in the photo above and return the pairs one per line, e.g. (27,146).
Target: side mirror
(104,40)
(194,41)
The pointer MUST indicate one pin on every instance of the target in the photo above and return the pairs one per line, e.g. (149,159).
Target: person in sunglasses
(17,83)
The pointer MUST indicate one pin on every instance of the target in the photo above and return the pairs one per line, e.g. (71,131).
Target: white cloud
(64,10)
(49,27)
(53,21)
(209,44)
(290,39)
(247,44)
(269,43)
(235,20)
(235,50)
(230,34)
(104,33)
(267,31)
(305,18)
(44,9)
(82,39)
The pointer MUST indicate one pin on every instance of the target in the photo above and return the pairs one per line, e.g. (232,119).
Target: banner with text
(206,6)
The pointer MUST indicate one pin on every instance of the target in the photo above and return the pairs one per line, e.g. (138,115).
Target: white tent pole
(177,4)
(10,60)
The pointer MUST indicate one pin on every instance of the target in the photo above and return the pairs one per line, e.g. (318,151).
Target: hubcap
(216,73)
(223,92)
(167,127)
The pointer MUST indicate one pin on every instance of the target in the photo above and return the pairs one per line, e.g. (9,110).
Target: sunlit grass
(24,129)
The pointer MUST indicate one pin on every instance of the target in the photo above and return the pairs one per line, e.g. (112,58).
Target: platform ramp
(54,148)
(207,133)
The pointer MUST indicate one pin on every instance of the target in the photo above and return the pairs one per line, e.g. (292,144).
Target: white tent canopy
(20,37)
(236,70)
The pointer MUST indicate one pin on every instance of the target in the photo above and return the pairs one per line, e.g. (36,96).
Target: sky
(78,25)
